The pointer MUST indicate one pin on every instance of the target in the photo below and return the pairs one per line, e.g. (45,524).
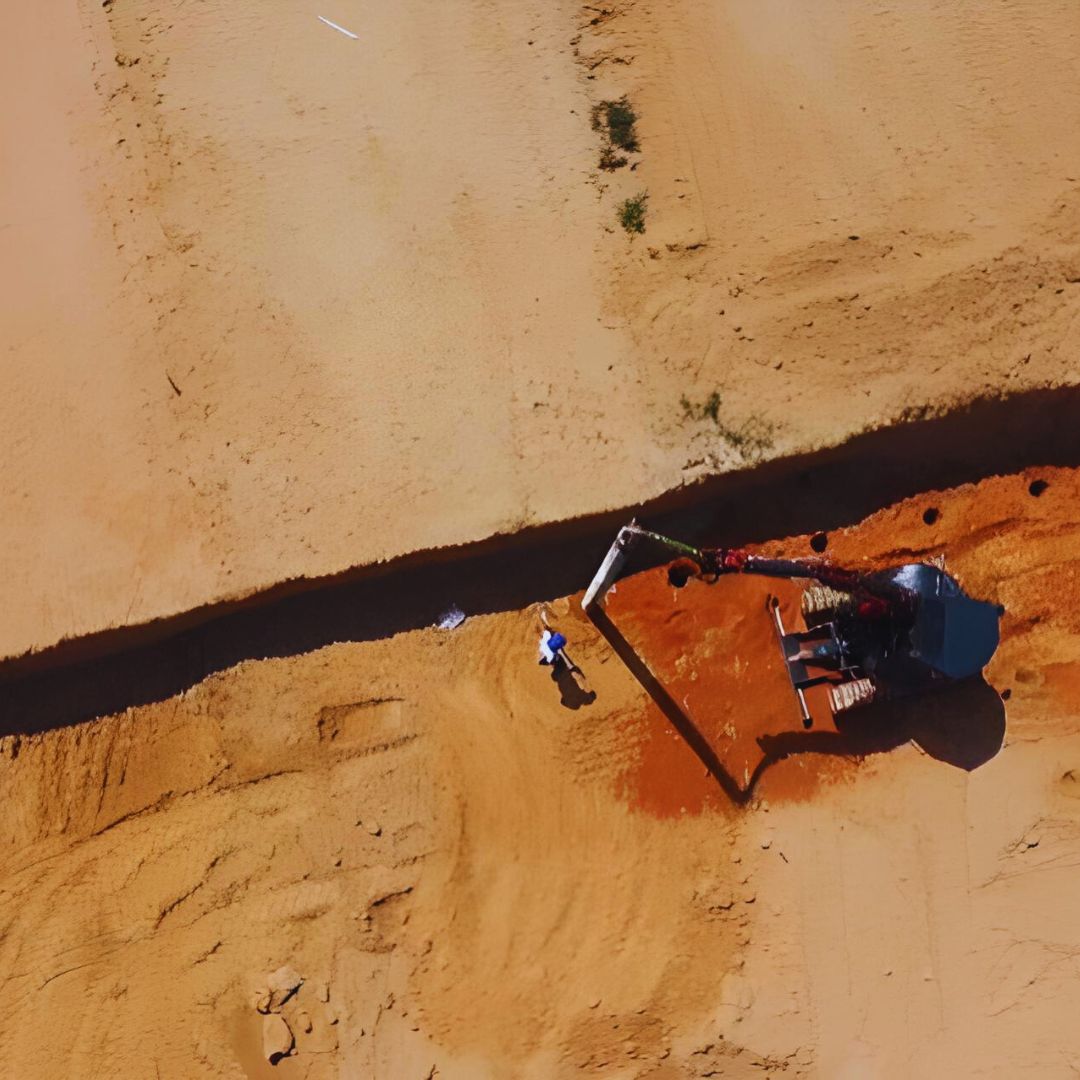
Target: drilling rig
(872,636)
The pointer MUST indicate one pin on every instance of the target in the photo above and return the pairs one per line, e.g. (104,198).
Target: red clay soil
(714,649)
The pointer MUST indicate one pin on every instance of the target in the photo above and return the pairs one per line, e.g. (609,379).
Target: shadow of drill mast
(675,714)
(962,725)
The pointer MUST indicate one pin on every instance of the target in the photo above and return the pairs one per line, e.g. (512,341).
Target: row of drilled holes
(820,541)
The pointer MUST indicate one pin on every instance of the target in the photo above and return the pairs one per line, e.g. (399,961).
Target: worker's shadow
(963,724)
(572,695)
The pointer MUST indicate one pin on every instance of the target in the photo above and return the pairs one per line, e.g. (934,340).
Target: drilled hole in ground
(931,514)
(678,575)
(1037,487)
(819,542)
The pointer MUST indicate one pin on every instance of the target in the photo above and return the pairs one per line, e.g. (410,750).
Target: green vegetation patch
(632,213)
(610,161)
(618,121)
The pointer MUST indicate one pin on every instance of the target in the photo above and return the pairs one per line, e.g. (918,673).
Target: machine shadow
(674,712)
(962,725)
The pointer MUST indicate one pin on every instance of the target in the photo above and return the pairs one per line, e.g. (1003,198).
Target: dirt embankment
(329,300)
(475,877)
(853,213)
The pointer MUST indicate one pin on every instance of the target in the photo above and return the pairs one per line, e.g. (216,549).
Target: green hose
(675,545)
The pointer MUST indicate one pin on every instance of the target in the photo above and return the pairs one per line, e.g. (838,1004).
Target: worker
(552,644)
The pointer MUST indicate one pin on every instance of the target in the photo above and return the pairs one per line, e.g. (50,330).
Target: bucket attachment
(615,560)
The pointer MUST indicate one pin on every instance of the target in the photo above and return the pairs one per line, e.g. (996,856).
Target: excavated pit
(816,493)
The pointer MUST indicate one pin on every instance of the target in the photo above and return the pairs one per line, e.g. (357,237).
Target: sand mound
(470,877)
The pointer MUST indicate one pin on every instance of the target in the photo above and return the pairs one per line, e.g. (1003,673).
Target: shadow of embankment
(106,672)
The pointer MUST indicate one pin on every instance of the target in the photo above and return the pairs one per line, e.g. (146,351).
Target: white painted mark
(340,29)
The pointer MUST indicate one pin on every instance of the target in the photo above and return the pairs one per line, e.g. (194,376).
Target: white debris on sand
(451,619)
(340,29)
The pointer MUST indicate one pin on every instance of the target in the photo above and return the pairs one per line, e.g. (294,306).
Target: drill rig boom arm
(712,562)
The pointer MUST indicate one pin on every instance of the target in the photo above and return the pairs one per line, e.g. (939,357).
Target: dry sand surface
(475,880)
(278,302)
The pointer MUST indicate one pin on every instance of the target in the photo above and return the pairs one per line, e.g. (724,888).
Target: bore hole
(931,514)
(678,575)
(1037,487)
(1006,694)
(819,542)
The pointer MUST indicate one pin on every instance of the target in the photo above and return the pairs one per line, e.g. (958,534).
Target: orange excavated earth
(462,868)
(715,650)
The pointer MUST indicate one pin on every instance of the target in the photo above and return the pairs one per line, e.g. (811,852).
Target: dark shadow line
(961,724)
(106,672)
(878,729)
(673,711)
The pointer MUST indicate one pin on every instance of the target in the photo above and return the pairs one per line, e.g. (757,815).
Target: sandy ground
(277,301)
(478,874)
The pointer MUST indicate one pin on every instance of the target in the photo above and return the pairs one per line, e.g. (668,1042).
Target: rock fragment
(278,1039)
(282,985)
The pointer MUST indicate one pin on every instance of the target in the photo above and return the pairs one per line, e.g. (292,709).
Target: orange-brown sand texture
(278,302)
(476,872)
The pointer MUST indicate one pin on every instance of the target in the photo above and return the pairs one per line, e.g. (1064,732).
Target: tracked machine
(869,636)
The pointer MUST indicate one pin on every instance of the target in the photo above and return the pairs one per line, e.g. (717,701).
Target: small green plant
(632,213)
(751,440)
(709,409)
(616,121)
